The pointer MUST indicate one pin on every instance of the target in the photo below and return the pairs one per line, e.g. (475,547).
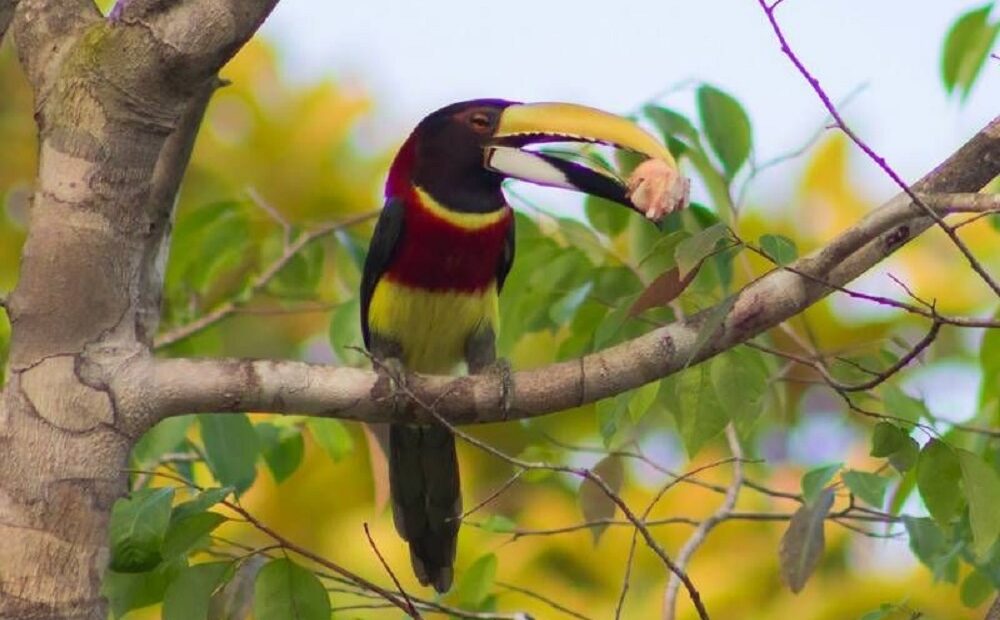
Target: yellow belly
(431,327)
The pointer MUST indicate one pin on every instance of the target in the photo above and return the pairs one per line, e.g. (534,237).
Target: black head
(448,155)
(461,153)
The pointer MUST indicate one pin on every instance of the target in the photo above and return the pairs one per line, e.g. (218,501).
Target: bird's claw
(393,369)
(501,367)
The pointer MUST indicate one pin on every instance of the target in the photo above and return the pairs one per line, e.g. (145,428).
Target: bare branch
(994,611)
(701,533)
(399,587)
(962,203)
(538,597)
(196,37)
(870,152)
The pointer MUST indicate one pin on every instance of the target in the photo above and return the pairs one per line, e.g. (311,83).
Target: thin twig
(266,207)
(544,599)
(262,280)
(884,301)
(406,597)
(649,508)
(769,11)
(492,496)
(698,537)
(756,170)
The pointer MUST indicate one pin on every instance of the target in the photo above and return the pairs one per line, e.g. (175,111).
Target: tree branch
(178,386)
(699,536)
(769,11)
(6,15)
(197,36)
(45,30)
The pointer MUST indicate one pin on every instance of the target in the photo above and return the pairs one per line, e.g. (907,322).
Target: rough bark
(118,103)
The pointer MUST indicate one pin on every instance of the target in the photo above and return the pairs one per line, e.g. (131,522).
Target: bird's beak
(521,125)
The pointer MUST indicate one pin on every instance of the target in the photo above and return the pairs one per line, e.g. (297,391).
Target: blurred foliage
(274,161)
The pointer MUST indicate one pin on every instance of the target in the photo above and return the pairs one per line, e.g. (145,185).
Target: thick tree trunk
(117,106)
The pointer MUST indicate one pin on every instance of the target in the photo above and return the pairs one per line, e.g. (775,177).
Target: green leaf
(207,241)
(976,588)
(537,454)
(982,489)
(803,542)
(612,414)
(230,448)
(989,362)
(779,248)
(901,405)
(966,48)
(740,379)
(692,251)
(189,532)
(903,491)
(138,525)
(906,457)
(887,438)
(884,610)
(727,127)
(477,581)
(301,274)
(499,524)
(605,216)
(641,399)
(163,438)
(201,502)
(700,416)
(286,591)
(188,596)
(332,436)
(672,123)
(594,502)
(714,318)
(869,487)
(931,547)
(128,591)
(815,480)
(938,476)
(282,448)
(345,332)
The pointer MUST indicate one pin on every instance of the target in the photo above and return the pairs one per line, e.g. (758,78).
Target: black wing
(506,257)
(385,240)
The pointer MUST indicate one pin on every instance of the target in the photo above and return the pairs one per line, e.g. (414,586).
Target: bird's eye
(480,120)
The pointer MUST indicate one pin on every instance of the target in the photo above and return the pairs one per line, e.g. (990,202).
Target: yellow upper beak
(568,121)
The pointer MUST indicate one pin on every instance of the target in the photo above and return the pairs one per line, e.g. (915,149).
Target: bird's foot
(502,368)
(399,387)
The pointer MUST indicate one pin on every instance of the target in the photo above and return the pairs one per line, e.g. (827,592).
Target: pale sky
(416,56)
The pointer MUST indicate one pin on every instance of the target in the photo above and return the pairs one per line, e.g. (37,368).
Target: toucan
(441,250)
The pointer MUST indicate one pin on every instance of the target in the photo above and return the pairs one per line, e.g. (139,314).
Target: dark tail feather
(426,498)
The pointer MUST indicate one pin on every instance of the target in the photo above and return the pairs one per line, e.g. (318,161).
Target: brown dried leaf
(594,503)
(661,291)
(802,545)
